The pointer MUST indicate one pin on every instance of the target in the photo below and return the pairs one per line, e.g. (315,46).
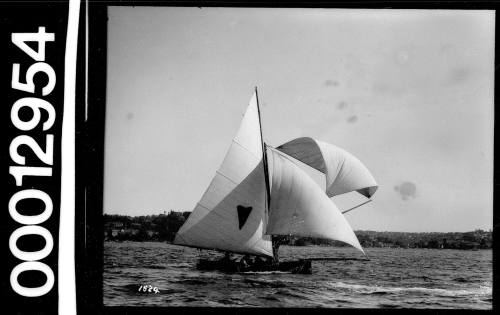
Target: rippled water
(393,278)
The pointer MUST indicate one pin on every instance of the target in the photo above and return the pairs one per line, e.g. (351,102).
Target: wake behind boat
(259,196)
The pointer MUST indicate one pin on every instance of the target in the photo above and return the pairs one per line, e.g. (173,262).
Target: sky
(408,92)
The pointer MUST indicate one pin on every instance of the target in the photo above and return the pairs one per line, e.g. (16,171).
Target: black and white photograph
(298,158)
(248,156)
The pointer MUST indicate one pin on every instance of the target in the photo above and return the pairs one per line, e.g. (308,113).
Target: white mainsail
(231,215)
(299,206)
(344,172)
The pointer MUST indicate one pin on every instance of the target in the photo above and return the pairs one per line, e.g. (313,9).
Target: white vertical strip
(66,271)
(86,103)
(86,69)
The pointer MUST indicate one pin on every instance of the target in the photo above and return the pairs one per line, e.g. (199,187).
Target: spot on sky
(445,48)
(130,116)
(342,105)
(389,89)
(331,83)
(406,190)
(402,57)
(458,75)
(352,119)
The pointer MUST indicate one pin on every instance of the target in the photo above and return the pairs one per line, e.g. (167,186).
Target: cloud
(352,119)
(406,190)
(130,116)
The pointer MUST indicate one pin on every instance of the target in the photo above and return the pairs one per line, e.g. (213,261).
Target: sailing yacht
(259,195)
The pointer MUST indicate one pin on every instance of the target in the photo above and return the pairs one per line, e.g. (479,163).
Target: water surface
(393,278)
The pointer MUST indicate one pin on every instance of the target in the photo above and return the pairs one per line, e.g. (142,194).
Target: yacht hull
(301,266)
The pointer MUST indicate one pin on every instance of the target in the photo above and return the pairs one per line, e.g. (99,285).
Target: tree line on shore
(164,226)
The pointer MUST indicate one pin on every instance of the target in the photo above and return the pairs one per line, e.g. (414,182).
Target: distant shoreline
(332,246)
(163,227)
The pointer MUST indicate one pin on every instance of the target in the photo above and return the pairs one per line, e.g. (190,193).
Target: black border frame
(90,150)
(89,164)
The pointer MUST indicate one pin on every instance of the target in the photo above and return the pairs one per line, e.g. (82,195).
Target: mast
(275,242)
(264,155)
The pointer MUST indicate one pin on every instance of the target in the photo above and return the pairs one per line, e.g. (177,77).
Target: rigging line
(369,200)
(245,148)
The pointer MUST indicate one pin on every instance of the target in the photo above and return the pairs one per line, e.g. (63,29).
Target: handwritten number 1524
(148,288)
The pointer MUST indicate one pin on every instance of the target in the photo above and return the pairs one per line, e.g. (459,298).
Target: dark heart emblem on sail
(243,213)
